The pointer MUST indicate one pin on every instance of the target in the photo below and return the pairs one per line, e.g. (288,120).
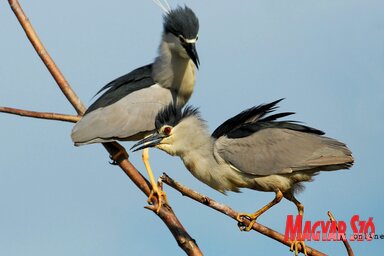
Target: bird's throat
(175,72)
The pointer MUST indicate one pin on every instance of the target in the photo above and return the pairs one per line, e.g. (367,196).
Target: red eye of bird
(167,130)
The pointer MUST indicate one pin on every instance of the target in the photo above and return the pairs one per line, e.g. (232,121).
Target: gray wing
(277,151)
(130,118)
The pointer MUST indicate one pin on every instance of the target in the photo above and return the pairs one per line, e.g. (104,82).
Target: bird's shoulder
(137,79)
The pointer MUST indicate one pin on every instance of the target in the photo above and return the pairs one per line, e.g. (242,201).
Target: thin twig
(345,241)
(41,115)
(184,240)
(46,58)
(231,213)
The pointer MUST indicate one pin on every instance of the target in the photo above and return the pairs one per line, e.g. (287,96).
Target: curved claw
(240,218)
(252,217)
(113,162)
(294,247)
(160,197)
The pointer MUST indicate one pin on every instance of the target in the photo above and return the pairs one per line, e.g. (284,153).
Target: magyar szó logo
(361,230)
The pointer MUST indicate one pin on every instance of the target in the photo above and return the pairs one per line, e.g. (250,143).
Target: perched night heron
(128,107)
(250,150)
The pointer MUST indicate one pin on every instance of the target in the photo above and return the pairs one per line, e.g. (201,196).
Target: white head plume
(164,6)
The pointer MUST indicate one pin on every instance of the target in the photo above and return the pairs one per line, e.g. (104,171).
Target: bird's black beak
(192,53)
(150,141)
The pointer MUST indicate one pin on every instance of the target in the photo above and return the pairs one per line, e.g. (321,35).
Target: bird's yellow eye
(167,130)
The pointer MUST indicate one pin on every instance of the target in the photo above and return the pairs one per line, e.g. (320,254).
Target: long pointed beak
(150,141)
(192,53)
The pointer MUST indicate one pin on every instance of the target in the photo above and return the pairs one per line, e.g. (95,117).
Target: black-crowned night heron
(250,150)
(127,110)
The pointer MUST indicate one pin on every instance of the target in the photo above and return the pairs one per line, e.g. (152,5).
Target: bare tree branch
(231,213)
(184,240)
(345,241)
(41,115)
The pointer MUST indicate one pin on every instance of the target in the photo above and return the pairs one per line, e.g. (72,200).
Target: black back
(135,80)
(253,119)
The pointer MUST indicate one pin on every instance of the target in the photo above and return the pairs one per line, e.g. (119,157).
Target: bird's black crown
(172,115)
(181,21)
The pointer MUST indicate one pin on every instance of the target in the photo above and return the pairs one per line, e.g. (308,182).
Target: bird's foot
(240,218)
(295,247)
(160,196)
(119,155)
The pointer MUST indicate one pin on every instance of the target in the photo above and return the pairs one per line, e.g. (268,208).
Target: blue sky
(325,57)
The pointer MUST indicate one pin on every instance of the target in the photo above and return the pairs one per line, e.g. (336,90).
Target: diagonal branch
(41,115)
(184,240)
(46,58)
(345,241)
(222,208)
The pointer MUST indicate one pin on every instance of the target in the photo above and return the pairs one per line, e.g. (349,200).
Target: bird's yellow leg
(294,245)
(252,217)
(156,191)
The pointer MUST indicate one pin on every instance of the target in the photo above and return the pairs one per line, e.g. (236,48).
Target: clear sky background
(325,57)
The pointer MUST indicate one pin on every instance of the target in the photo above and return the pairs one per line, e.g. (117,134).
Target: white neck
(203,164)
(195,147)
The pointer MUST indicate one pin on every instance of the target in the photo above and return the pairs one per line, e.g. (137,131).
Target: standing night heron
(250,150)
(127,110)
